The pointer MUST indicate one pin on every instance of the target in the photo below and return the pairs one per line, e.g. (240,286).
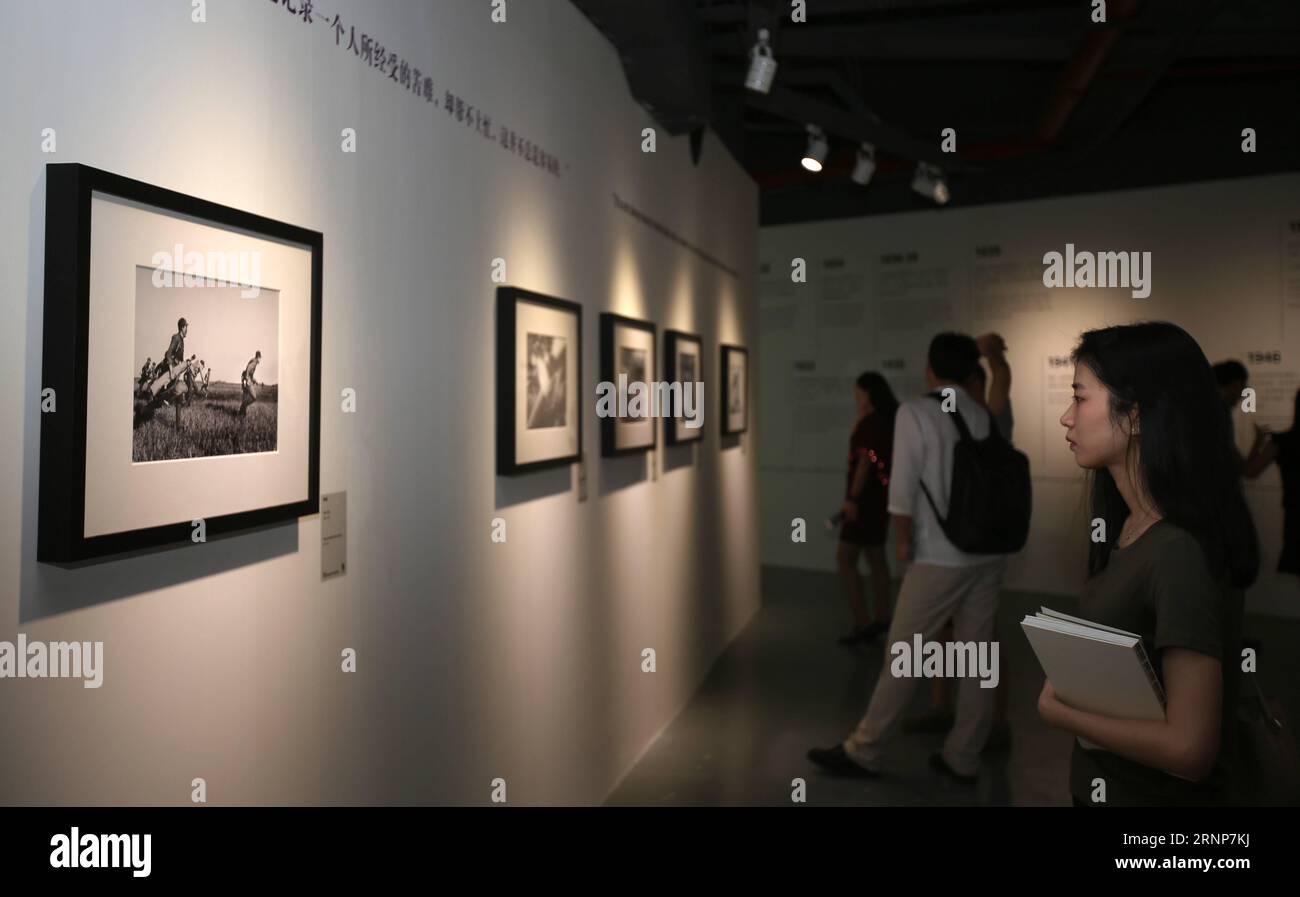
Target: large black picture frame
(61,522)
(609,321)
(508,299)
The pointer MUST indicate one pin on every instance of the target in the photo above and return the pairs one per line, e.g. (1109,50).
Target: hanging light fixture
(762,64)
(815,156)
(865,166)
(929,182)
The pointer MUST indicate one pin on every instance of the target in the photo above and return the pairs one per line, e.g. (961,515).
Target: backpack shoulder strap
(930,498)
(962,430)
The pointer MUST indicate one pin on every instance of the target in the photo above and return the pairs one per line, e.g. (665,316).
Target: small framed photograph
(539,381)
(213,315)
(627,356)
(684,364)
(735,390)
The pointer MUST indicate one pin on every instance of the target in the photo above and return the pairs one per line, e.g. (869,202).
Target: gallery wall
(1225,265)
(476,660)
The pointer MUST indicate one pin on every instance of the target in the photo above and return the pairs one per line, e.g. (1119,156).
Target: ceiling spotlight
(762,65)
(865,167)
(929,182)
(815,156)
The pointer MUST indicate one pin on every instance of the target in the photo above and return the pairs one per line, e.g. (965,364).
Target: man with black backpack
(959,496)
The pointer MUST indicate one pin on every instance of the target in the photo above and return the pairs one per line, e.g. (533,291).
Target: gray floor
(785,685)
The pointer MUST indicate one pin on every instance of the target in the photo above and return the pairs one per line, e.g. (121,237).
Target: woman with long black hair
(866,497)
(1179,547)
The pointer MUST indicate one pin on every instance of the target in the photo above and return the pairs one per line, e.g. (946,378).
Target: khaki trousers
(931,596)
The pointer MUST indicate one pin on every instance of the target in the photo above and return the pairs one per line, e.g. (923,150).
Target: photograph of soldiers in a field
(207,370)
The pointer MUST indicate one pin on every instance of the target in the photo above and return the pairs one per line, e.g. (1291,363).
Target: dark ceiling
(1044,101)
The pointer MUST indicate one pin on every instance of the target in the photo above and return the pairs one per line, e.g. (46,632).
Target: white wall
(1225,266)
(475,660)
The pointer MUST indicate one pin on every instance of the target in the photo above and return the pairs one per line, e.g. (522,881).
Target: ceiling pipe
(1080,72)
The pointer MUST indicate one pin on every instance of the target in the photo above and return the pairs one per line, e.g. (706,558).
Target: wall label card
(333,534)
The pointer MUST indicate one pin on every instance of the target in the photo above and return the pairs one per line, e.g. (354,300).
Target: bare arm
(908,460)
(850,507)
(994,349)
(1185,743)
(859,478)
(999,385)
(903,537)
(1262,454)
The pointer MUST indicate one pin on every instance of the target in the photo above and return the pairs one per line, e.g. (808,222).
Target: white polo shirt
(924,438)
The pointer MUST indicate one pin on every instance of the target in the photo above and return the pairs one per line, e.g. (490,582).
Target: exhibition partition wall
(879,288)
(522,635)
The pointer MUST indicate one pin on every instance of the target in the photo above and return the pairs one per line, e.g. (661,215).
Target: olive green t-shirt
(1160,587)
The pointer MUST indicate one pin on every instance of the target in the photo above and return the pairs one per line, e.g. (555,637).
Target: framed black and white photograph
(539,381)
(190,414)
(735,390)
(214,315)
(627,356)
(684,364)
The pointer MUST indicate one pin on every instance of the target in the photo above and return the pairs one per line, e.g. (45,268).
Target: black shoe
(865,633)
(939,764)
(836,762)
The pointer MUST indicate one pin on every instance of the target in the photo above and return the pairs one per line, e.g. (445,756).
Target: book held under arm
(1095,668)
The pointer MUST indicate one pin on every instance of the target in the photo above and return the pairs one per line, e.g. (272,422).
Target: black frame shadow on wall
(626,344)
(734,358)
(212,437)
(681,346)
(539,381)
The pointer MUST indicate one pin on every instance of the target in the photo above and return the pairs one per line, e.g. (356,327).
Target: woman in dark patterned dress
(866,496)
